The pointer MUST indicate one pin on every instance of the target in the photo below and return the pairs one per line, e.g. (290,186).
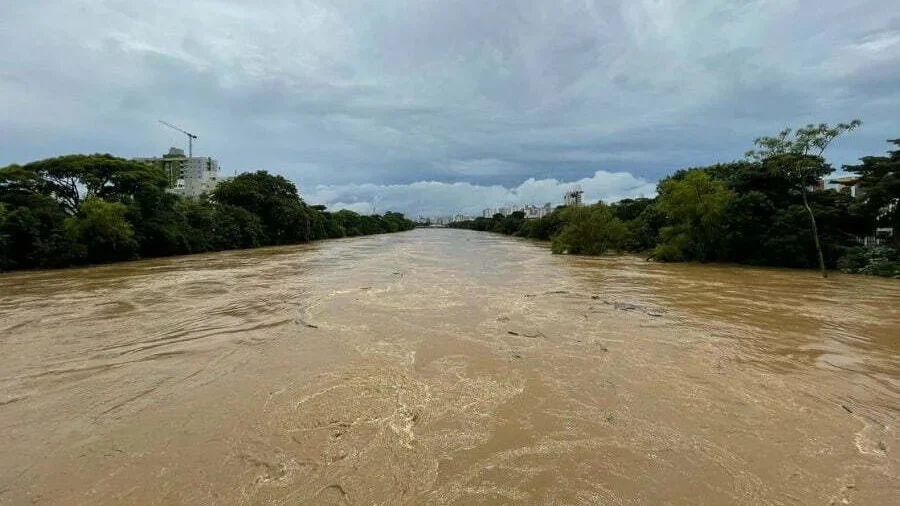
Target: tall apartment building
(189,177)
(534,212)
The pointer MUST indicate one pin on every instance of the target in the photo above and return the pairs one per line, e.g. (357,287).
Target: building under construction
(189,176)
(574,197)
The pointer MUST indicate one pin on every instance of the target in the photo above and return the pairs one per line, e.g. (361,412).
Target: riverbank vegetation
(90,209)
(766,210)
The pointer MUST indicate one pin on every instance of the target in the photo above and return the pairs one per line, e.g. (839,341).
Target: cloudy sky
(438,106)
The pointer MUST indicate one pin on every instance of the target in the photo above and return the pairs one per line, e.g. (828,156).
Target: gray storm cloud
(408,96)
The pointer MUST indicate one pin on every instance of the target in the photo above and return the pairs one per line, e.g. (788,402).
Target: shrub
(874,261)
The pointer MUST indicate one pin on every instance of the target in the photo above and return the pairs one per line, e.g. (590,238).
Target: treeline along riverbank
(767,210)
(91,209)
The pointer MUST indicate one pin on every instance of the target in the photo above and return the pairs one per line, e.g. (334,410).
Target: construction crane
(191,137)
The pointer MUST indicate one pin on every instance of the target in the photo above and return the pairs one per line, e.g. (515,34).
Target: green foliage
(543,228)
(97,208)
(797,157)
(811,140)
(694,207)
(73,178)
(877,261)
(5,243)
(285,217)
(102,231)
(880,183)
(511,224)
(590,230)
(755,211)
(34,234)
(235,228)
(643,229)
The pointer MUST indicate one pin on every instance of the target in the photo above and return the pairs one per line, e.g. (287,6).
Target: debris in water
(307,325)
(533,336)
(627,306)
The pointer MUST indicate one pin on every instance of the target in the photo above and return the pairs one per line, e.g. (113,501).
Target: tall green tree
(71,179)
(797,156)
(590,230)
(34,231)
(285,217)
(102,229)
(694,206)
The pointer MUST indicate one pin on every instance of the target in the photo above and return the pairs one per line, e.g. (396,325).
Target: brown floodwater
(446,367)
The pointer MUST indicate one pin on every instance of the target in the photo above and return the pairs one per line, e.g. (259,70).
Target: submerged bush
(874,261)
(590,230)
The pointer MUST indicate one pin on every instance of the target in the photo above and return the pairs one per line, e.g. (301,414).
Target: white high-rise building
(189,177)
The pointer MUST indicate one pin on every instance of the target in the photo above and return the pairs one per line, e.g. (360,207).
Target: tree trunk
(815,231)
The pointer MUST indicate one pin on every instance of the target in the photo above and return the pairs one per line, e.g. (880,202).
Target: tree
(880,183)
(4,238)
(544,228)
(70,179)
(285,217)
(102,229)
(34,232)
(694,206)
(398,221)
(644,228)
(797,156)
(98,208)
(235,228)
(510,224)
(592,230)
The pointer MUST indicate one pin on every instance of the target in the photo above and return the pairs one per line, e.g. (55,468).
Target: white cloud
(431,198)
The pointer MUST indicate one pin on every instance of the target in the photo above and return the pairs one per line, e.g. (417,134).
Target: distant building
(189,177)
(849,185)
(531,211)
(853,186)
(573,197)
(534,212)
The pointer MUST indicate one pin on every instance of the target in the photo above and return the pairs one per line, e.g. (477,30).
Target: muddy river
(446,367)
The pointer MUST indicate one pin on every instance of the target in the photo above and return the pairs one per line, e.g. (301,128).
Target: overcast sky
(438,106)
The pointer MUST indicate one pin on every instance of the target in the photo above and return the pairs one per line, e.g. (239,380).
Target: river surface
(446,367)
